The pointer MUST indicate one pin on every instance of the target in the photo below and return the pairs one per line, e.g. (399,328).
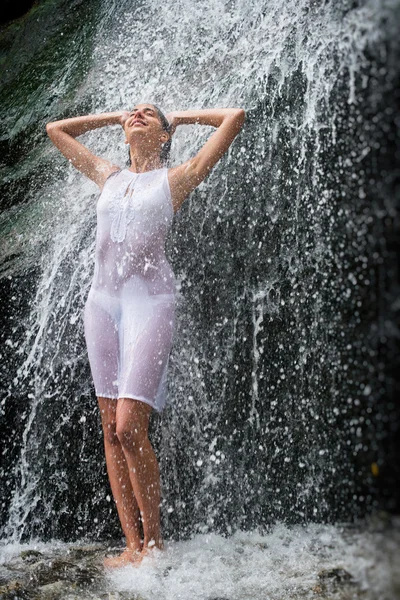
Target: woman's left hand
(173,121)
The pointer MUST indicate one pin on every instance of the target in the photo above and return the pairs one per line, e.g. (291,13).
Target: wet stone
(337,581)
(52,591)
(84,552)
(15,590)
(49,571)
(4,579)
(77,574)
(335,575)
(30,555)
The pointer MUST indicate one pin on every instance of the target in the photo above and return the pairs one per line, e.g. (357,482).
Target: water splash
(269,414)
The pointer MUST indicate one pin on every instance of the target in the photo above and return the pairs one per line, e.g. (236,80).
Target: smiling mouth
(138,123)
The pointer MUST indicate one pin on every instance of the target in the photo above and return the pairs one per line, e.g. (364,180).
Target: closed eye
(145,110)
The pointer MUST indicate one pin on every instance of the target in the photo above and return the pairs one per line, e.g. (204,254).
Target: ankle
(155,542)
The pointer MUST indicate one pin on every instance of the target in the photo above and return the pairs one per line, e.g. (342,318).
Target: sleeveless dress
(129,313)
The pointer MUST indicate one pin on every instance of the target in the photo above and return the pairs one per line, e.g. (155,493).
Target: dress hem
(131,397)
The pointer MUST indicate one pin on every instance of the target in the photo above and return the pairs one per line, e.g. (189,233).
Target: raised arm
(63,134)
(184,178)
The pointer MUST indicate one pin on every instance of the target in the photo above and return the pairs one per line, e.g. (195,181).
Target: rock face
(13,10)
(34,575)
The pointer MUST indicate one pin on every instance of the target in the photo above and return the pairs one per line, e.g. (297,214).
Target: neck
(142,162)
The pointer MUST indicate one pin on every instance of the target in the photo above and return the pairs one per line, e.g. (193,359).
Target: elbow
(238,118)
(241,116)
(49,128)
(54,126)
(54,130)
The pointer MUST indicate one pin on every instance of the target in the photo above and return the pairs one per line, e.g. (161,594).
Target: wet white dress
(129,313)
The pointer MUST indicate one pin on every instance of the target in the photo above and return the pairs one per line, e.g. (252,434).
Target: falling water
(279,386)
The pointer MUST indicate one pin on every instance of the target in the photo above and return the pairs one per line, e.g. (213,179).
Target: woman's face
(144,119)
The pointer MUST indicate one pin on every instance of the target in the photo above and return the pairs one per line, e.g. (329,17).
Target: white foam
(282,564)
(10,550)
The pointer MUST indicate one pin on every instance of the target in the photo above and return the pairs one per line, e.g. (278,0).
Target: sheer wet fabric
(129,313)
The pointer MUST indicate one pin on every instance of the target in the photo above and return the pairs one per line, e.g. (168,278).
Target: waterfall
(279,386)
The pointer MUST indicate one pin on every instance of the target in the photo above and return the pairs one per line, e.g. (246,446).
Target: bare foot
(133,557)
(151,549)
(128,557)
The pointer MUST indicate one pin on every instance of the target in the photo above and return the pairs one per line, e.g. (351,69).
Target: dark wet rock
(61,569)
(33,575)
(74,574)
(4,580)
(84,552)
(30,555)
(337,575)
(52,591)
(14,10)
(15,590)
(337,583)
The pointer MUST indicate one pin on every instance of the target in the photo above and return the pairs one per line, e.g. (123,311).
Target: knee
(110,433)
(131,437)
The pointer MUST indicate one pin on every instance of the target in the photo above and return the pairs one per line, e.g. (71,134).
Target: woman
(129,314)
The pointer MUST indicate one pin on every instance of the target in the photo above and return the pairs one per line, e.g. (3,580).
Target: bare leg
(118,473)
(132,430)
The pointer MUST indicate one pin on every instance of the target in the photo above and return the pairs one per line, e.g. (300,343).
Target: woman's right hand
(123,118)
